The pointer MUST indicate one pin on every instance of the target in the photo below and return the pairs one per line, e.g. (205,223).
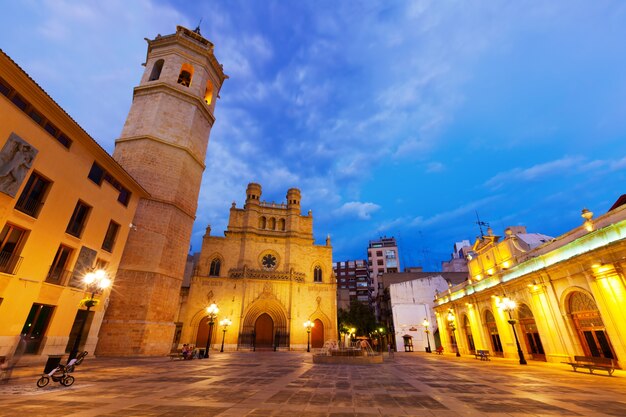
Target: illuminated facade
(65,209)
(569,292)
(266,276)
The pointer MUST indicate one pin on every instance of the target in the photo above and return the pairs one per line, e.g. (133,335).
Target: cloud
(435,167)
(360,210)
(539,171)
(448,216)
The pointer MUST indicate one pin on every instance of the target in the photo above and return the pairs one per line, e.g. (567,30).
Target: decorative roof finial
(197,29)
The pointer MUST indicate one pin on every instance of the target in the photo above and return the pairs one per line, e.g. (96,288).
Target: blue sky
(394,118)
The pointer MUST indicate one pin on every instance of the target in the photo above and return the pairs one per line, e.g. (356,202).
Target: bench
(176,355)
(483,355)
(439,350)
(592,363)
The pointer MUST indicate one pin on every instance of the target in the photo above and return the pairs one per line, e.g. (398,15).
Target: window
(281,225)
(111,235)
(214,271)
(36,116)
(5,89)
(96,173)
(379,253)
(208,93)
(78,220)
(317,274)
(19,102)
(185,76)
(156,70)
(58,270)
(11,239)
(31,199)
(50,128)
(272,224)
(262,223)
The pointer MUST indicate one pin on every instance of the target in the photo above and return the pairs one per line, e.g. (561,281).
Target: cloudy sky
(394,118)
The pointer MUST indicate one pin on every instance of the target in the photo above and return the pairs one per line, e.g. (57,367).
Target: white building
(411,303)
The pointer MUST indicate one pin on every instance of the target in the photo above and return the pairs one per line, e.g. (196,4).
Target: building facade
(163,146)
(568,292)
(458,259)
(411,304)
(56,224)
(267,276)
(353,278)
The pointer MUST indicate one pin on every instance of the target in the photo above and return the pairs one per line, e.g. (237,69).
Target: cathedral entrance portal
(317,334)
(264,331)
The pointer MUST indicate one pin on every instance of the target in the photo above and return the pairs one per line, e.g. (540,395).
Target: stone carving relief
(16,158)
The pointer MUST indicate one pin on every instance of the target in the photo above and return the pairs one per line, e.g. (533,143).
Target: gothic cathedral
(267,277)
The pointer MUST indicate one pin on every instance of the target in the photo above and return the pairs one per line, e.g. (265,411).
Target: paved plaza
(289,384)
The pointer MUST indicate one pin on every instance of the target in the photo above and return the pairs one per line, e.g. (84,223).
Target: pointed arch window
(214,271)
(186,74)
(156,70)
(317,274)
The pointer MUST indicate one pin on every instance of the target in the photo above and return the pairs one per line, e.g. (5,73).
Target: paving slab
(289,384)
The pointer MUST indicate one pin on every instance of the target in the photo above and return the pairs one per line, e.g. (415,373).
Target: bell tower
(163,146)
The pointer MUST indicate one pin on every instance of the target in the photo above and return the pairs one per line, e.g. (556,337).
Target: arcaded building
(568,294)
(266,275)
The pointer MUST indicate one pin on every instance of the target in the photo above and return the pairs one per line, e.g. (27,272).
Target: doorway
(317,334)
(264,331)
(589,326)
(530,334)
(35,327)
(82,316)
(492,329)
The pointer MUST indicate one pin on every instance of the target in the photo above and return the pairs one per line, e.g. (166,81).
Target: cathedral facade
(267,277)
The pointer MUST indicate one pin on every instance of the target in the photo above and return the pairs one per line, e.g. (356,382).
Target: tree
(359,316)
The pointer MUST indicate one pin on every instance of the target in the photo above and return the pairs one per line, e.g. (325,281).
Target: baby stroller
(61,373)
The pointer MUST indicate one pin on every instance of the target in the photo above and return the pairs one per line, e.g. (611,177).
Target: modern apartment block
(382,256)
(353,278)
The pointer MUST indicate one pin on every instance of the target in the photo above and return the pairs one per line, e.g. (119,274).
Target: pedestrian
(390,350)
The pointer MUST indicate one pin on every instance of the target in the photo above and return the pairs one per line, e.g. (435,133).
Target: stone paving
(285,384)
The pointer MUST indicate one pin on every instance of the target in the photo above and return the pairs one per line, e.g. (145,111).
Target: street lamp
(426,324)
(225,323)
(308,325)
(94,281)
(509,305)
(211,311)
(453,328)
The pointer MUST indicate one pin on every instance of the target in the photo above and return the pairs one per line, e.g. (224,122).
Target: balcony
(9,263)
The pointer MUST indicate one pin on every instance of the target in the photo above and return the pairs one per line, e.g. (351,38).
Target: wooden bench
(439,350)
(483,355)
(592,363)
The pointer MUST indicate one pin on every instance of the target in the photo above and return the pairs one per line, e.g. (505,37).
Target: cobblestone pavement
(288,384)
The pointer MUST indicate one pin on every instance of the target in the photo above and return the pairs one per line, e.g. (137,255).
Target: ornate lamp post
(94,281)
(211,312)
(509,305)
(426,324)
(224,323)
(308,325)
(453,328)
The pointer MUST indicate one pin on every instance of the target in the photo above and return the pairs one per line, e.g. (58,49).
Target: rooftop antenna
(197,29)
(481,224)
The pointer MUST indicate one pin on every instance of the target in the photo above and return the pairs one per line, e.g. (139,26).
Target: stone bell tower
(163,146)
